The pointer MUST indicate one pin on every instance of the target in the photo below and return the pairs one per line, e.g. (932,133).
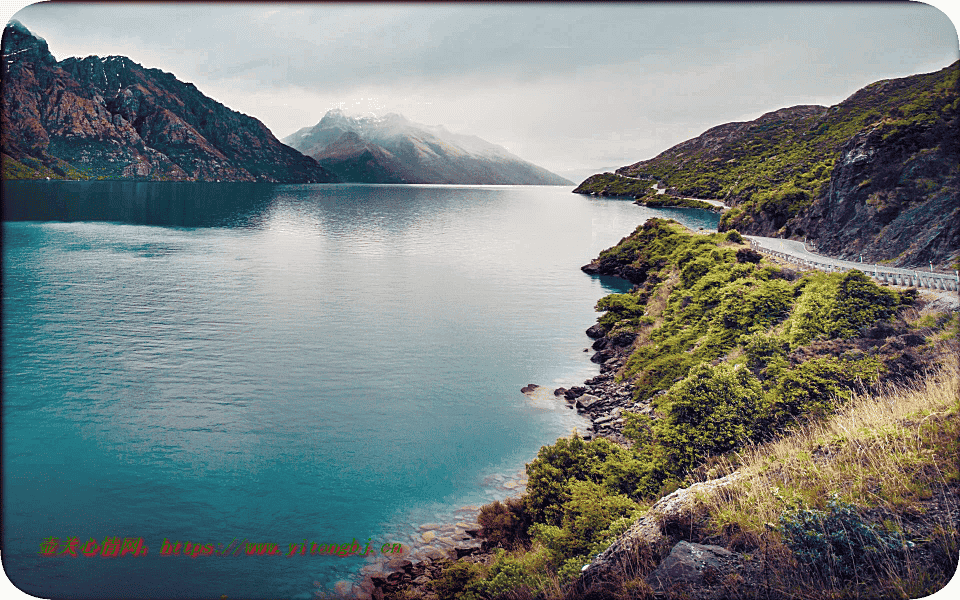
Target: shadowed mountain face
(391,149)
(876,174)
(112,118)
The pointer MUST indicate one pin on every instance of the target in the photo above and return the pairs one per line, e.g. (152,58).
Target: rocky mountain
(391,149)
(108,118)
(875,174)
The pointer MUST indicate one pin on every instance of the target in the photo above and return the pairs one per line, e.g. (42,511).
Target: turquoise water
(278,363)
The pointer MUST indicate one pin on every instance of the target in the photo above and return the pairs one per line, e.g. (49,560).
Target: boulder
(436,555)
(587,400)
(602,356)
(468,548)
(693,565)
(399,564)
(596,331)
(648,531)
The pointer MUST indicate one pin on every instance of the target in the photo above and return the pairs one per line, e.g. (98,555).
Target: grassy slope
(780,163)
(731,352)
(895,455)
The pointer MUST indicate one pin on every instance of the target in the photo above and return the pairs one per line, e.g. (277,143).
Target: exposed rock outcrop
(893,196)
(694,565)
(652,532)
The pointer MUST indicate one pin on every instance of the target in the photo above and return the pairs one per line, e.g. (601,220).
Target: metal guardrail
(917,279)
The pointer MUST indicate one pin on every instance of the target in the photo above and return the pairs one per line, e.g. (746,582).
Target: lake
(278,364)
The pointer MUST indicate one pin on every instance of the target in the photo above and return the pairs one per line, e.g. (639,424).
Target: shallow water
(279,363)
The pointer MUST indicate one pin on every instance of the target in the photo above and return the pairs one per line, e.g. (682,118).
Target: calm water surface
(278,363)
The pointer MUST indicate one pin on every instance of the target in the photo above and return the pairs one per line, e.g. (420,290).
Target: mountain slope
(391,149)
(112,118)
(875,174)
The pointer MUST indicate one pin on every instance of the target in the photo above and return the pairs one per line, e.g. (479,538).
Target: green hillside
(897,139)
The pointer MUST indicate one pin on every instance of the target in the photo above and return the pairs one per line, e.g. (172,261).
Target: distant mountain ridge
(876,174)
(111,118)
(392,149)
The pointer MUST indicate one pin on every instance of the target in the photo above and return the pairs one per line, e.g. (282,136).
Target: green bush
(455,580)
(620,307)
(839,306)
(734,236)
(859,303)
(575,459)
(587,515)
(814,388)
(711,411)
(511,576)
(836,541)
(504,524)
(762,349)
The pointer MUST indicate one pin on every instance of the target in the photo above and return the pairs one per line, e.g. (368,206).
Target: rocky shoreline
(430,548)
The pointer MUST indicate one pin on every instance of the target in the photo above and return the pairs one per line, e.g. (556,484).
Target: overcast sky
(568,86)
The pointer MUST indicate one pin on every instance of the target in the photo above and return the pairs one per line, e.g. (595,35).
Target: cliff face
(894,195)
(391,149)
(875,174)
(112,118)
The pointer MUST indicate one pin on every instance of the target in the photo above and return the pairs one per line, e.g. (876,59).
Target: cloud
(562,85)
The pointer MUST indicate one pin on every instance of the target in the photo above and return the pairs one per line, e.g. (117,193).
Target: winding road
(796,252)
(944,284)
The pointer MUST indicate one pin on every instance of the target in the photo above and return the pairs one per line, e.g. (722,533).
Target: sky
(575,88)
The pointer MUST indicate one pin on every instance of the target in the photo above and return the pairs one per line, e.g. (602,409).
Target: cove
(275,363)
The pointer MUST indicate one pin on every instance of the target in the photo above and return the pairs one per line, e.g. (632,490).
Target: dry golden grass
(895,455)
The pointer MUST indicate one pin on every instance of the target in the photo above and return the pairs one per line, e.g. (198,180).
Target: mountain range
(876,174)
(392,149)
(112,118)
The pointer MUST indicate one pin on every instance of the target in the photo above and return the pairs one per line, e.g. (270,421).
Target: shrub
(586,517)
(509,576)
(814,386)
(574,459)
(711,411)
(839,306)
(761,349)
(836,541)
(504,524)
(455,580)
(694,270)
(859,303)
(747,255)
(619,307)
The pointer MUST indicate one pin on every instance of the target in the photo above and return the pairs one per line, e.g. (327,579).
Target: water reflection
(175,204)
